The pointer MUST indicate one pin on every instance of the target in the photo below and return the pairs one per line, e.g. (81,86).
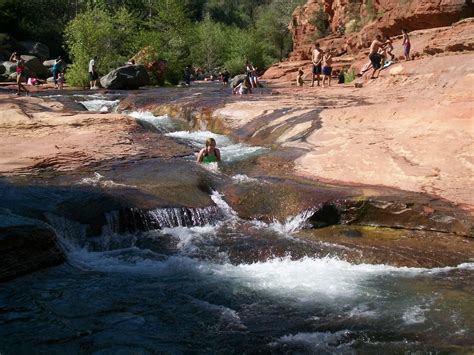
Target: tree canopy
(211,34)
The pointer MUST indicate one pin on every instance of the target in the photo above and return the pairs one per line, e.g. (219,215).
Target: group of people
(57,69)
(380,49)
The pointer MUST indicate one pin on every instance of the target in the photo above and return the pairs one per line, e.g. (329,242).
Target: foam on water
(100,105)
(159,122)
(99,180)
(318,342)
(414,315)
(244,179)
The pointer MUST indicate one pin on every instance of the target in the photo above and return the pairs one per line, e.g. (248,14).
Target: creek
(204,280)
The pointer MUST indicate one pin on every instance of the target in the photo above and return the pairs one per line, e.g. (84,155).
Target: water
(229,286)
(203,280)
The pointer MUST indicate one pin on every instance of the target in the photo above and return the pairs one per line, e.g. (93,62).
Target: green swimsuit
(209,159)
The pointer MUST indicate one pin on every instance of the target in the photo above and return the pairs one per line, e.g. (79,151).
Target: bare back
(317,56)
(374,47)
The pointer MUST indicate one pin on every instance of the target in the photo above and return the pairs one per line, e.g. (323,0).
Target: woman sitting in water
(210,154)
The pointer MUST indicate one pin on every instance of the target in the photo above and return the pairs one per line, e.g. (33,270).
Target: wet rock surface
(27,248)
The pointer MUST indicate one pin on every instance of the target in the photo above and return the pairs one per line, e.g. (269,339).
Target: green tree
(210,48)
(97,31)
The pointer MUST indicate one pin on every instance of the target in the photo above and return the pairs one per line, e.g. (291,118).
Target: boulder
(10,67)
(35,66)
(26,248)
(126,77)
(156,67)
(236,80)
(49,63)
(36,49)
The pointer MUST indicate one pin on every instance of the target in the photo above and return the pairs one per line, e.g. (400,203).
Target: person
(253,76)
(299,78)
(406,44)
(20,72)
(316,58)
(244,87)
(374,55)
(341,77)
(187,74)
(388,45)
(247,69)
(57,68)
(93,76)
(210,154)
(225,77)
(327,68)
(60,80)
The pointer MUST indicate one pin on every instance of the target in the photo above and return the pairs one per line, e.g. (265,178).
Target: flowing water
(205,281)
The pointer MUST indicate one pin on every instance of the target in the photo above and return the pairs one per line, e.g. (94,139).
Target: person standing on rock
(57,68)
(406,44)
(374,55)
(93,76)
(317,59)
(210,154)
(327,68)
(388,45)
(20,72)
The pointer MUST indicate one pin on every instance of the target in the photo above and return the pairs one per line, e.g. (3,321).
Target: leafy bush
(349,76)
(96,31)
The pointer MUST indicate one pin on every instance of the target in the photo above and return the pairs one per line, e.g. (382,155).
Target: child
(299,78)
(389,47)
(60,81)
(406,44)
(327,68)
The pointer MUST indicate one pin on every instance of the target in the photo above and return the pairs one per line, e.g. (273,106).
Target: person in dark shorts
(317,59)
(93,76)
(374,56)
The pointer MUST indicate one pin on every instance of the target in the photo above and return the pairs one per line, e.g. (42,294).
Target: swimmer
(210,154)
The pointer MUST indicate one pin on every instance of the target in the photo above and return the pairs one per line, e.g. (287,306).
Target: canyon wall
(350,25)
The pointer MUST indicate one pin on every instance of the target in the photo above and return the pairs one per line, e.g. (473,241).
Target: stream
(204,280)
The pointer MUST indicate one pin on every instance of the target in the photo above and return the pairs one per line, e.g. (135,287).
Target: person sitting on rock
(374,55)
(210,154)
(299,78)
(243,88)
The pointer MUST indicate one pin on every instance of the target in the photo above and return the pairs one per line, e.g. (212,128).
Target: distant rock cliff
(349,25)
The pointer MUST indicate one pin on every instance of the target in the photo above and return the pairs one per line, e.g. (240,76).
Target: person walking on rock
(406,44)
(20,72)
(317,58)
(93,76)
(374,55)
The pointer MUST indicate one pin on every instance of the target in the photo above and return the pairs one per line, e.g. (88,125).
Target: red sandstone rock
(371,17)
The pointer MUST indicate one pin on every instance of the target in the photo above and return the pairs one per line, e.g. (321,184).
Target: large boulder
(236,80)
(35,66)
(26,246)
(10,67)
(126,77)
(37,49)
(156,67)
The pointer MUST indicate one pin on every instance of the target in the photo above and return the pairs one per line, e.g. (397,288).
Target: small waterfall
(134,219)
(101,105)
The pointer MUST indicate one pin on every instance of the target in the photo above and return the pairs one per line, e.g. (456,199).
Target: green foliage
(349,76)
(97,31)
(321,22)
(370,8)
(354,22)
